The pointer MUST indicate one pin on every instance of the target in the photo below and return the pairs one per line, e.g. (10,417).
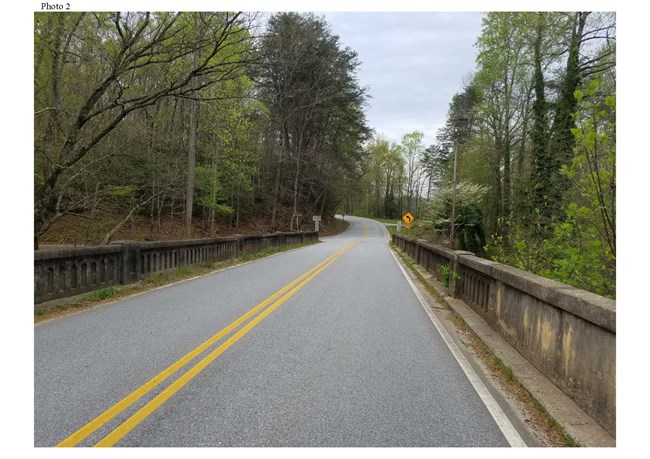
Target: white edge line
(508,430)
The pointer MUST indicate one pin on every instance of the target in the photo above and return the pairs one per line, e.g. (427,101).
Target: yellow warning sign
(408,218)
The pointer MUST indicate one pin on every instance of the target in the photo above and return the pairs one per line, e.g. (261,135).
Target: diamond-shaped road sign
(408,218)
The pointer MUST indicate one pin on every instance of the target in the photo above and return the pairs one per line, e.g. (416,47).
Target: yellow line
(128,425)
(127,401)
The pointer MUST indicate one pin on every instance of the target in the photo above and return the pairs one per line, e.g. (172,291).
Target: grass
(157,280)
(87,301)
(542,418)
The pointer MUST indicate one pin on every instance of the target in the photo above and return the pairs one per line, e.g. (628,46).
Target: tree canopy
(193,122)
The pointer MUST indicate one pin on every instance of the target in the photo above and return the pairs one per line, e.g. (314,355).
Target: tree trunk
(295,182)
(562,137)
(276,189)
(191,164)
(541,161)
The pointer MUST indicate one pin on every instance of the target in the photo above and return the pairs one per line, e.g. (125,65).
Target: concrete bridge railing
(68,272)
(566,333)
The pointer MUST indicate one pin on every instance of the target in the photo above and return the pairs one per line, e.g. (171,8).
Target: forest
(199,124)
(193,123)
(532,139)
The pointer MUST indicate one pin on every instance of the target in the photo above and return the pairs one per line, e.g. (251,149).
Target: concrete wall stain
(545,334)
(568,351)
(499,298)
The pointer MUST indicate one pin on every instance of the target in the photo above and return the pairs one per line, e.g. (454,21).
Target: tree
(529,68)
(583,246)
(308,83)
(469,217)
(378,188)
(412,150)
(505,87)
(123,63)
(582,62)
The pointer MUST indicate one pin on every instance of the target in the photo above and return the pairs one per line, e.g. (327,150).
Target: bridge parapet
(73,271)
(566,333)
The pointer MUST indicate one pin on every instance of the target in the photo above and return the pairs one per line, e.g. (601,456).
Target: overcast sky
(413,63)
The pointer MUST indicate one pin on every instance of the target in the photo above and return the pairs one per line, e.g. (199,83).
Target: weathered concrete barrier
(68,272)
(566,333)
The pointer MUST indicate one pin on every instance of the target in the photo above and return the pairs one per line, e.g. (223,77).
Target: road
(336,351)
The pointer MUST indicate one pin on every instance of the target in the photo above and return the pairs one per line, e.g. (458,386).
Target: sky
(412,63)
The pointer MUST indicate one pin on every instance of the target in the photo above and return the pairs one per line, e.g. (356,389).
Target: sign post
(297,215)
(408,218)
(316,219)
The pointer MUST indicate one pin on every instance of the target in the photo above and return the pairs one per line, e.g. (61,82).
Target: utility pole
(453,199)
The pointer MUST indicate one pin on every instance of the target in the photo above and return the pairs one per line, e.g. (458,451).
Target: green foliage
(518,249)
(469,217)
(446,275)
(308,81)
(583,246)
(102,294)
(377,188)
(120,191)
(412,143)
(110,103)
(581,249)
(210,190)
(228,159)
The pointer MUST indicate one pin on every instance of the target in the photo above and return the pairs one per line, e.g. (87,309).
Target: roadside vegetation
(165,125)
(533,138)
(168,125)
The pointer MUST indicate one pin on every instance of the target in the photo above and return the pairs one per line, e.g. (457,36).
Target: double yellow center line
(274,301)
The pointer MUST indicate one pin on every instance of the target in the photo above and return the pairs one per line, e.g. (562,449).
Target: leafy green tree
(503,80)
(377,189)
(469,231)
(412,150)
(524,147)
(583,247)
(583,61)
(308,82)
(228,153)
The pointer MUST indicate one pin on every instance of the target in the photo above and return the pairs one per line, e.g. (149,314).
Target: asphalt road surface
(327,345)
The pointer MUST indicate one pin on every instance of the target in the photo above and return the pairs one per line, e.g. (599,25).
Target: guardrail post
(130,262)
